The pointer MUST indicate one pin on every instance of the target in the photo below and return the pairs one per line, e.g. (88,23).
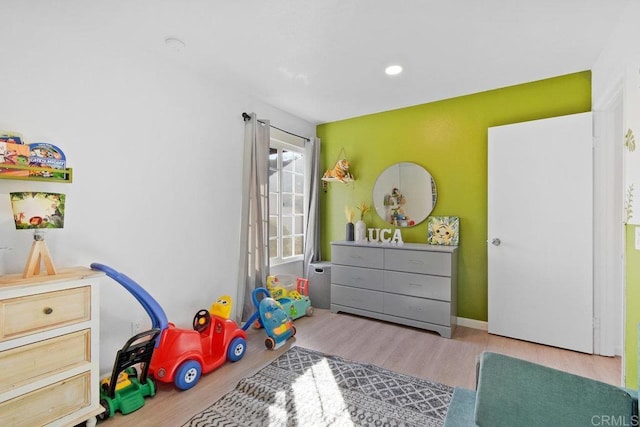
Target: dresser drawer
(357,277)
(41,312)
(418,285)
(357,256)
(357,298)
(421,262)
(424,310)
(47,404)
(28,363)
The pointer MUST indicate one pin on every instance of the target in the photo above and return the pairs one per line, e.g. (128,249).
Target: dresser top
(406,246)
(72,273)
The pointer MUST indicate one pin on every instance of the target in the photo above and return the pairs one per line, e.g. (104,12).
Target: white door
(540,231)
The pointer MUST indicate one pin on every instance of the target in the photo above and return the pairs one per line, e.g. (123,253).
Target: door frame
(609,301)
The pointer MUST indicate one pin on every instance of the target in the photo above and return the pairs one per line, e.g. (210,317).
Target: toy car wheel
(236,349)
(187,375)
(107,410)
(293,331)
(309,311)
(269,343)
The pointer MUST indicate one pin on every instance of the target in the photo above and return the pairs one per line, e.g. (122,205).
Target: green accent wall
(449,139)
(632,297)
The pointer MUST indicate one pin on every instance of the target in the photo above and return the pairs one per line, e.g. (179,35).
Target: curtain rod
(246,117)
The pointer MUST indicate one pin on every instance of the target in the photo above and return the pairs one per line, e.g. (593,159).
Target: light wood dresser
(413,284)
(49,338)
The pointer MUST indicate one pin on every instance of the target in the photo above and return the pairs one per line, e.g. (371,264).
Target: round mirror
(404,194)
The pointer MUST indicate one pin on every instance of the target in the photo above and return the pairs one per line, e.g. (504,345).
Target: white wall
(622,50)
(156,152)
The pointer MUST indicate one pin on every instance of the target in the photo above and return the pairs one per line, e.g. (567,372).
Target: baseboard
(472,323)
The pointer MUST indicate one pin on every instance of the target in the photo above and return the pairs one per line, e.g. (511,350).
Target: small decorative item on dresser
(443,230)
(38,211)
(361,226)
(350,227)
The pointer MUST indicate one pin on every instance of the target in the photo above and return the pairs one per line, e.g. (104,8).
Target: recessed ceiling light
(393,70)
(174,43)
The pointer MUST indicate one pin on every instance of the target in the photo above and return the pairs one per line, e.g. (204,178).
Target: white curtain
(254,237)
(312,227)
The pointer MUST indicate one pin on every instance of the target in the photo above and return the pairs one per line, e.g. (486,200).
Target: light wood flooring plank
(403,349)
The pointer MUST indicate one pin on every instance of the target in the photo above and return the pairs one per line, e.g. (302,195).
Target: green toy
(124,391)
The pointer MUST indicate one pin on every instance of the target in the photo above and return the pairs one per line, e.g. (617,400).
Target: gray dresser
(413,284)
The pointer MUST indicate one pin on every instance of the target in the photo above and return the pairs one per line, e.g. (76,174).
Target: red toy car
(182,355)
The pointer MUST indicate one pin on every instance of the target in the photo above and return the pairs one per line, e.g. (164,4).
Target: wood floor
(407,350)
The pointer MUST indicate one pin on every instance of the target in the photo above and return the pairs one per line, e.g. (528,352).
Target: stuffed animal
(340,171)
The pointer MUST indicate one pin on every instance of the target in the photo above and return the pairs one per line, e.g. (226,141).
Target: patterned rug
(305,388)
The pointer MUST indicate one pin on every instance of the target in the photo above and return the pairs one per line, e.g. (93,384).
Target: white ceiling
(323,60)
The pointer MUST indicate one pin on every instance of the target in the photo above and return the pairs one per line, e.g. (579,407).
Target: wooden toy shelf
(68,173)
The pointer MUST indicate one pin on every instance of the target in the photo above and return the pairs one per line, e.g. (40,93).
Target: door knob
(495,241)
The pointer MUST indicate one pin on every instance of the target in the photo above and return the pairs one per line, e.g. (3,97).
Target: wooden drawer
(418,285)
(28,363)
(41,312)
(355,297)
(421,262)
(357,277)
(47,404)
(424,310)
(356,256)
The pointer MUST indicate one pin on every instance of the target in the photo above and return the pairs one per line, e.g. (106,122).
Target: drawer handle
(417,285)
(356,256)
(415,261)
(47,310)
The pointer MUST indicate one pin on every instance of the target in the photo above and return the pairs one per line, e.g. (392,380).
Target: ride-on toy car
(124,391)
(181,356)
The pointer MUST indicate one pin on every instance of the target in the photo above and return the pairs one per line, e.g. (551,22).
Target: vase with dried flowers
(361,226)
(350,227)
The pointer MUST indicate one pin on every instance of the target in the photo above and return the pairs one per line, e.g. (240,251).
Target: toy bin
(320,284)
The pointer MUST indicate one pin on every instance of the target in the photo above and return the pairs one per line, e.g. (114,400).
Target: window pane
(299,246)
(288,158)
(287,204)
(287,182)
(299,163)
(273,181)
(299,184)
(273,226)
(273,204)
(273,249)
(298,222)
(287,247)
(299,204)
(287,226)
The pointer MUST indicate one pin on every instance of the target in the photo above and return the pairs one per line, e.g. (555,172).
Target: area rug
(306,388)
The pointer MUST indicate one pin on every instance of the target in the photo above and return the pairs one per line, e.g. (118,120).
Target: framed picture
(443,230)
